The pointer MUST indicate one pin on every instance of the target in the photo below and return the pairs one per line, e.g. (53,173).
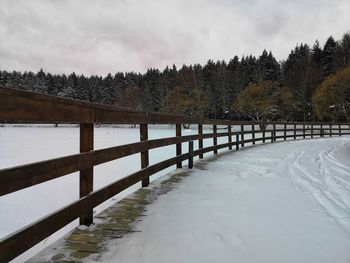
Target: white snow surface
(22,144)
(281,202)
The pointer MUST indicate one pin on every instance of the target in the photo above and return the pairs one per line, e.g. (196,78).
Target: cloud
(97,37)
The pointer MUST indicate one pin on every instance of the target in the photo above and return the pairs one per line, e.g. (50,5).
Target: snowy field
(21,145)
(280,184)
(282,202)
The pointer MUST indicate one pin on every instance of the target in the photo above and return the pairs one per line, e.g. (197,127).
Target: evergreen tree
(223,103)
(329,57)
(73,86)
(345,48)
(82,89)
(50,84)
(297,77)
(3,78)
(109,89)
(316,73)
(248,71)
(268,68)
(210,88)
(154,93)
(233,82)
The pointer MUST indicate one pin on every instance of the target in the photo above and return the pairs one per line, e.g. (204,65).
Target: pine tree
(109,90)
(345,47)
(52,88)
(221,80)
(248,70)
(3,78)
(268,68)
(297,77)
(329,56)
(96,90)
(210,87)
(82,89)
(233,82)
(154,93)
(17,80)
(73,86)
(316,63)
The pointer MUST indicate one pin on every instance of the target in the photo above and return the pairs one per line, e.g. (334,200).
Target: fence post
(272,135)
(339,130)
(215,139)
(229,137)
(312,131)
(295,131)
(86,176)
(200,141)
(263,133)
(253,134)
(242,135)
(274,132)
(237,142)
(145,154)
(285,132)
(330,130)
(178,145)
(190,154)
(303,130)
(321,131)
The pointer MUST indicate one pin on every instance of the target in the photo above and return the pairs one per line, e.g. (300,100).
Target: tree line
(259,88)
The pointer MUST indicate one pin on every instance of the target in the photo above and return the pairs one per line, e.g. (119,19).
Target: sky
(98,37)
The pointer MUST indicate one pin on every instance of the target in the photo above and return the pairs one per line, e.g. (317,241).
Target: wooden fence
(17,106)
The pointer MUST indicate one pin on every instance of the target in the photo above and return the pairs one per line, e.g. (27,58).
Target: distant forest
(313,83)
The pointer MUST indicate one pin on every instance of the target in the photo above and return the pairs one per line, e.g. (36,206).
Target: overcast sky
(97,37)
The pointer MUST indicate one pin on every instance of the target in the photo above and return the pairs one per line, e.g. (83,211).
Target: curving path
(281,202)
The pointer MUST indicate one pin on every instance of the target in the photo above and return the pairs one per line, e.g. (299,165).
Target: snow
(281,202)
(247,206)
(32,143)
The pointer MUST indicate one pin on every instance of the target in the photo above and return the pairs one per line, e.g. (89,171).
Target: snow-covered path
(281,202)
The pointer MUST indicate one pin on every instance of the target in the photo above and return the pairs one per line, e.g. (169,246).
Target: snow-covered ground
(281,202)
(21,145)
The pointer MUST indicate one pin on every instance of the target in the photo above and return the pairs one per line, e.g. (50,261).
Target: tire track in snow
(332,171)
(340,172)
(328,182)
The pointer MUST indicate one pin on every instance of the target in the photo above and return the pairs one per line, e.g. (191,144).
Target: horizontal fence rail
(17,106)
